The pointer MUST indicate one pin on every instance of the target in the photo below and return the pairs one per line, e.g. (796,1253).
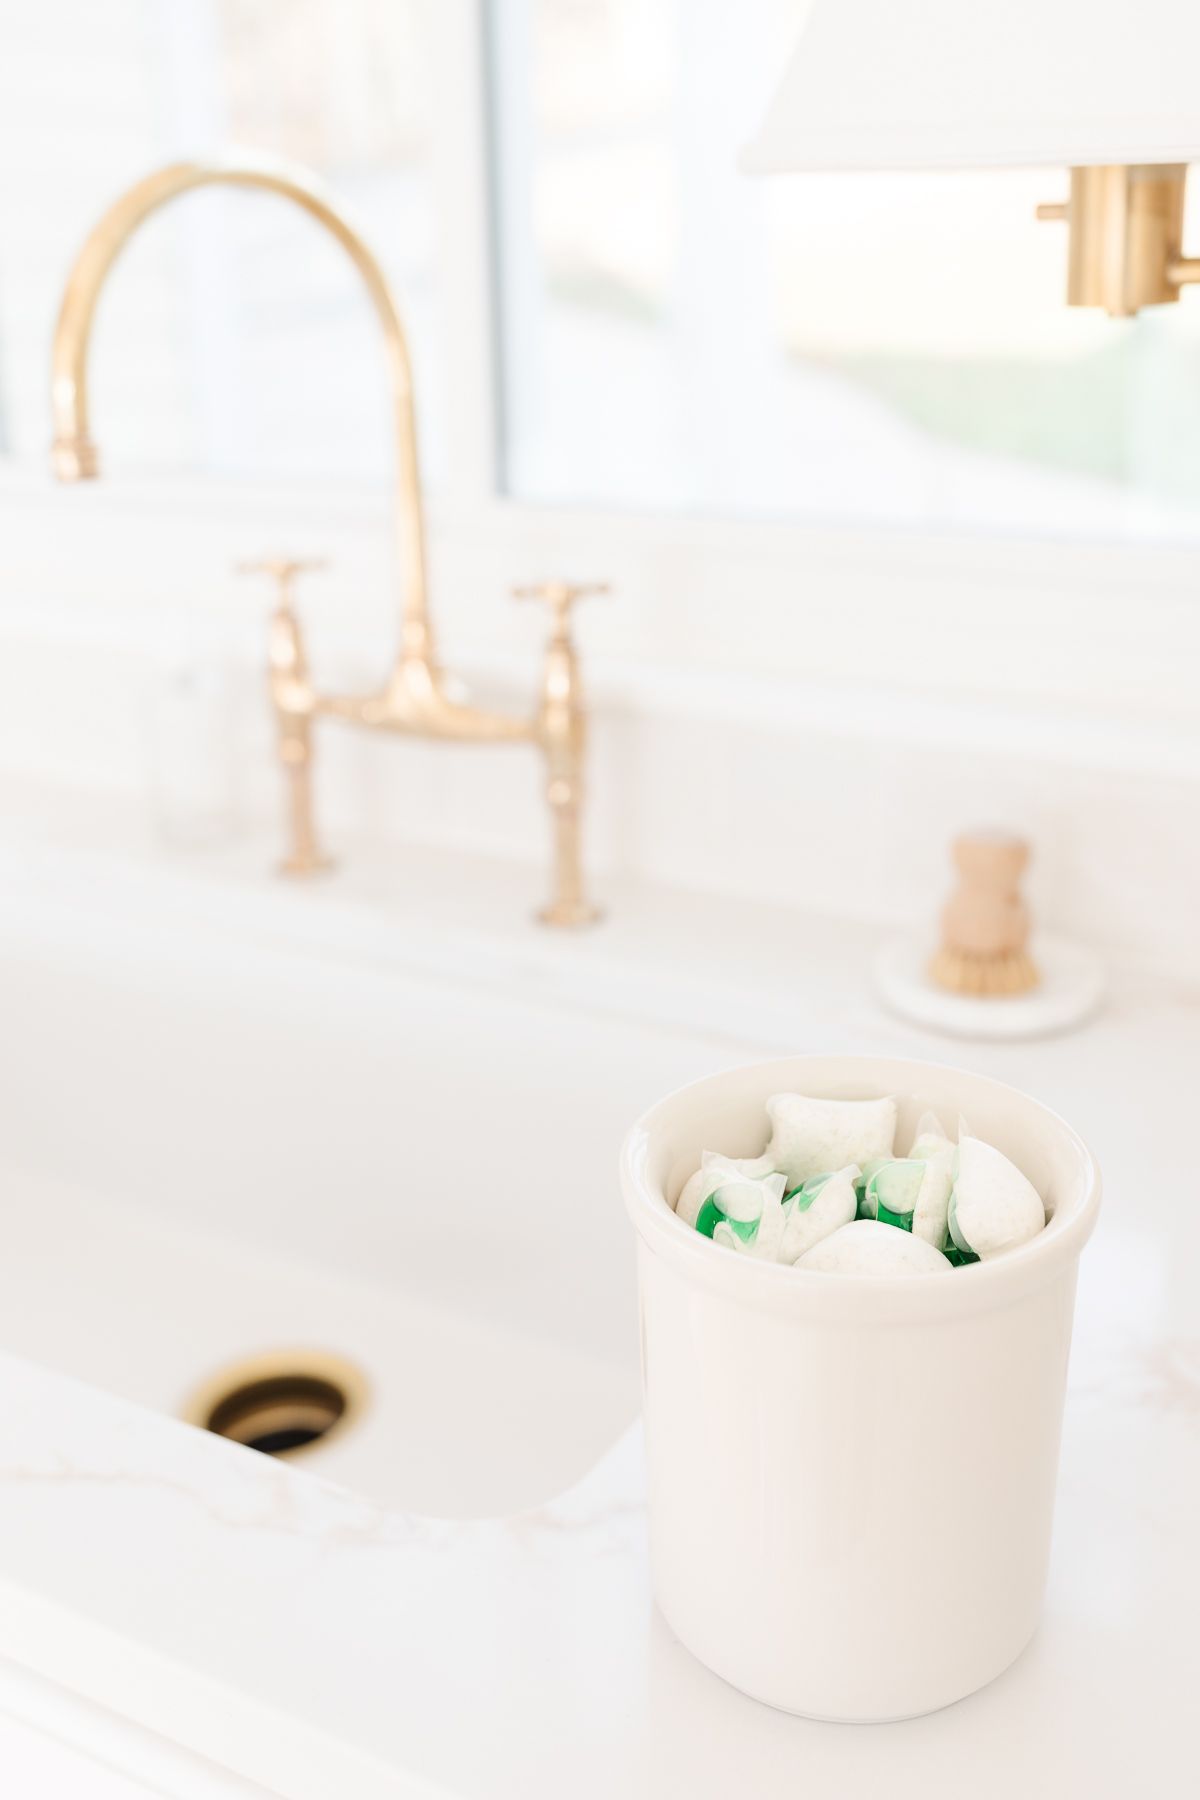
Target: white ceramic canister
(851,1481)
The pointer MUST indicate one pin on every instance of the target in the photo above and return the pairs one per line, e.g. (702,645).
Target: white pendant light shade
(943,84)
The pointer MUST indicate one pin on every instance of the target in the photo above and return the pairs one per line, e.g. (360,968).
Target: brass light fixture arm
(414,700)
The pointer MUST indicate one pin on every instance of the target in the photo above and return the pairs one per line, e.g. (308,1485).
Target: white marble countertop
(323,1646)
(314,1643)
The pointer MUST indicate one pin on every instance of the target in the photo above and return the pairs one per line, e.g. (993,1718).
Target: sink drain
(280,1403)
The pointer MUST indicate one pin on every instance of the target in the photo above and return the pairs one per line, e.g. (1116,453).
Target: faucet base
(569,915)
(75,458)
(296,868)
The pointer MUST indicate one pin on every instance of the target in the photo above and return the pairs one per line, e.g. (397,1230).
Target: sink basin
(216,1148)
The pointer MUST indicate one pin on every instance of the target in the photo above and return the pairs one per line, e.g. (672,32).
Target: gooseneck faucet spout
(75,454)
(414,698)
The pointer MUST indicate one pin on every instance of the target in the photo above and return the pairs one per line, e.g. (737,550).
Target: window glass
(863,347)
(234,337)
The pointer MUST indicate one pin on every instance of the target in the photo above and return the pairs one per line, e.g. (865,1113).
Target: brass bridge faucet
(414,700)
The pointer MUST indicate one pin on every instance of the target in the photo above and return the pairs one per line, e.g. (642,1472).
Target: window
(670,335)
(234,337)
(890,348)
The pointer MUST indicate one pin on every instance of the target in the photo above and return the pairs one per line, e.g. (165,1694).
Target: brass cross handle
(560,595)
(283,570)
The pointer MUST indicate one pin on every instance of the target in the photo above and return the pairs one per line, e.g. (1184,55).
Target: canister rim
(993,1108)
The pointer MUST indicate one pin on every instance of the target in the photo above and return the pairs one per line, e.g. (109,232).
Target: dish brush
(985,922)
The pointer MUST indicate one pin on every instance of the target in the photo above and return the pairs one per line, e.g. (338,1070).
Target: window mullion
(459,165)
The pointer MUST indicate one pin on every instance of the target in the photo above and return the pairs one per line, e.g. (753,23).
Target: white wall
(809,725)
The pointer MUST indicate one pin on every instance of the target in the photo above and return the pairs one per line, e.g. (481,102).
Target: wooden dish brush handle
(985,922)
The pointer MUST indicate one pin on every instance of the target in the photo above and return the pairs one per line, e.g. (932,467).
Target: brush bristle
(986,977)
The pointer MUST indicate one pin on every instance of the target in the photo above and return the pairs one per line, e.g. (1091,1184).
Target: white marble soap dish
(1069,991)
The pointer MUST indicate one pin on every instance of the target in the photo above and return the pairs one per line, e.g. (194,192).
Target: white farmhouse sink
(212,1147)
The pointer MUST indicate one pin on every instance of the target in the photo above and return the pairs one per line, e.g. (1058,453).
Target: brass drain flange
(280,1402)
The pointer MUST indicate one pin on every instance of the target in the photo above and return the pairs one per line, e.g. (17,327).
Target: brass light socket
(1126,229)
